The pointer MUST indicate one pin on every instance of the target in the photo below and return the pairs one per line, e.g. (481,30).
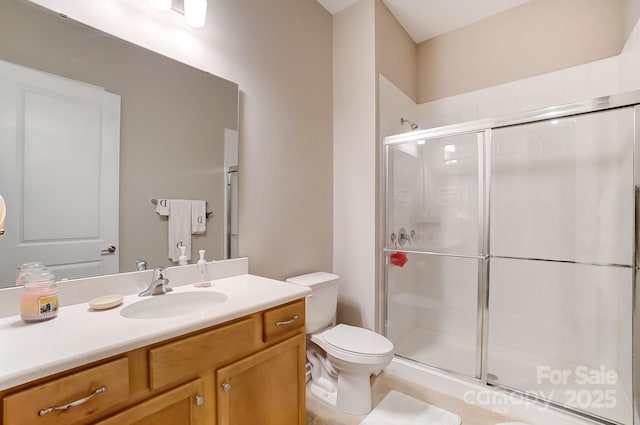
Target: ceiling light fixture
(162,5)
(194,11)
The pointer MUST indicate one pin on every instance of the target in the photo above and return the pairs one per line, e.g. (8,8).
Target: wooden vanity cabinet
(249,370)
(265,388)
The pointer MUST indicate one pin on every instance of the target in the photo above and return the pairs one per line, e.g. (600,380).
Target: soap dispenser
(204,280)
(182,260)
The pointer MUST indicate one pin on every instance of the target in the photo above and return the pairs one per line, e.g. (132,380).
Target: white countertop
(80,335)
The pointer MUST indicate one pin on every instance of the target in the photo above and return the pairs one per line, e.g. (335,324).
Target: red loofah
(398,259)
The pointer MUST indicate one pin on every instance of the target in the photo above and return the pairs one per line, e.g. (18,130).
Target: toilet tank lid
(313,279)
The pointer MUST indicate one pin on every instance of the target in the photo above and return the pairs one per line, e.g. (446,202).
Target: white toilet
(342,357)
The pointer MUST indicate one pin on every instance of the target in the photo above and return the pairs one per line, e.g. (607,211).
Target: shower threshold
(457,355)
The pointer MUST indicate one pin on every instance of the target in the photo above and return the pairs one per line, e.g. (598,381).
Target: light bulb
(195,12)
(162,5)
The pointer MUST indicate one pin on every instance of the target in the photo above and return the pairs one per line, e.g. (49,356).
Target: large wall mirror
(177,130)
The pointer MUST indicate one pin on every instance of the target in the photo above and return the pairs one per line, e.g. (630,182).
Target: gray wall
(538,37)
(280,53)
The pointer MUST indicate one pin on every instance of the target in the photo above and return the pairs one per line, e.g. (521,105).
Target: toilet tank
(322,302)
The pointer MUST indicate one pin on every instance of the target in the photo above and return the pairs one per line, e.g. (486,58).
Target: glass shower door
(433,250)
(562,245)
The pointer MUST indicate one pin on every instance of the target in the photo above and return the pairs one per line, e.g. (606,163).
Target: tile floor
(319,413)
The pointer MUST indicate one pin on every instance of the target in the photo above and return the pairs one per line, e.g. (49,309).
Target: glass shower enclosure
(510,253)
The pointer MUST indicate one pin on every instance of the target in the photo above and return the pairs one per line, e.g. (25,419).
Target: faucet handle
(141,264)
(158,273)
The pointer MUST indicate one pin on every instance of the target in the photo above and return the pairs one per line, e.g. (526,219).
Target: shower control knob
(403,237)
(226,387)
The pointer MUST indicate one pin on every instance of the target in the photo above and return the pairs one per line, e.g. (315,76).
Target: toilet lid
(358,340)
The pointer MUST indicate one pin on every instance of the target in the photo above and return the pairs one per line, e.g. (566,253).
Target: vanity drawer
(283,321)
(184,358)
(25,407)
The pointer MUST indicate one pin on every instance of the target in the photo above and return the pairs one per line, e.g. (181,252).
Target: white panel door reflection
(59,156)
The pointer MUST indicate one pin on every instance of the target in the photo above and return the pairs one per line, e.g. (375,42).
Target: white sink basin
(173,304)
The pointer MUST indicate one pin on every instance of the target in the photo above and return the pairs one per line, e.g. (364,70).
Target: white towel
(397,408)
(198,217)
(179,228)
(162,207)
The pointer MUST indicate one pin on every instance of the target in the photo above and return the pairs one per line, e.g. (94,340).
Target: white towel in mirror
(198,217)
(179,228)
(162,207)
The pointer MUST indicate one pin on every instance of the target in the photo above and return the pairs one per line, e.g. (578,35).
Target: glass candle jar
(27,268)
(39,299)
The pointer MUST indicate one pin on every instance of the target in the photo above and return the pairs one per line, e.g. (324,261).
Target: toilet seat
(357,340)
(380,348)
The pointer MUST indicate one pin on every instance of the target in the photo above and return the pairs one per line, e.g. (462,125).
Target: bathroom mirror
(178,134)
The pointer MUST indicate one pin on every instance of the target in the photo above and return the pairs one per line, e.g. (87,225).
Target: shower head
(413,125)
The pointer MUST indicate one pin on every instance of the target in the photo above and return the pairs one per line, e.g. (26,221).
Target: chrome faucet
(159,285)
(141,265)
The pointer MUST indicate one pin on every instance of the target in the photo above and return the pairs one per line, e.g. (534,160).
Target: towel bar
(154,201)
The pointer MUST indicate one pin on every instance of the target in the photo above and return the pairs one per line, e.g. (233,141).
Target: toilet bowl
(342,357)
(355,354)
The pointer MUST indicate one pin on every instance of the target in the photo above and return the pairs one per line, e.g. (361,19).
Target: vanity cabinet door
(266,388)
(184,405)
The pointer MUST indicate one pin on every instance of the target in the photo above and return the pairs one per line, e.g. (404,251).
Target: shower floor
(518,370)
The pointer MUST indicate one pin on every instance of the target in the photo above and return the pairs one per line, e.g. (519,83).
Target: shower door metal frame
(485,127)
(484,203)
(635,319)
(482,256)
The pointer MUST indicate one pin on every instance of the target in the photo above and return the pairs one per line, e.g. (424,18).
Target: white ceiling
(425,19)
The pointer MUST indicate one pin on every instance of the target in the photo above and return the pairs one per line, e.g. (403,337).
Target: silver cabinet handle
(199,400)
(43,412)
(226,387)
(287,322)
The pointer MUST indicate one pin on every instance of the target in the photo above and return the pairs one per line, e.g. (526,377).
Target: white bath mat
(400,409)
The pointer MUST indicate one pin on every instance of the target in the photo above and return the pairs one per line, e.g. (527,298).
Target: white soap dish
(106,302)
